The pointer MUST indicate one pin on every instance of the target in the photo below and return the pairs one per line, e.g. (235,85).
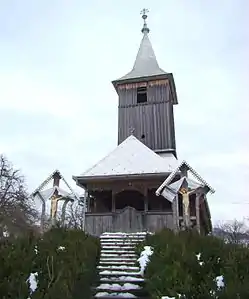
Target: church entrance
(129,211)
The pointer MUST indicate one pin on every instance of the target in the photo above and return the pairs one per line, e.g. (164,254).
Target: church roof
(131,157)
(146,64)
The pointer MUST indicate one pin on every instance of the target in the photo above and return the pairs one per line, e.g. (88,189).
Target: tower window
(141,95)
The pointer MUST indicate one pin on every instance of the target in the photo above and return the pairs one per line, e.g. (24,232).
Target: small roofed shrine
(140,185)
(53,200)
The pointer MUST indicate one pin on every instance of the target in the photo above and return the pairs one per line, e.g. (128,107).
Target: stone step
(118,262)
(120,241)
(121,279)
(123,296)
(122,237)
(118,257)
(119,287)
(125,234)
(126,292)
(114,246)
(119,272)
(118,250)
(122,256)
(119,267)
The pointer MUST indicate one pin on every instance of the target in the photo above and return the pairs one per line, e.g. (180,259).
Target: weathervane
(145,29)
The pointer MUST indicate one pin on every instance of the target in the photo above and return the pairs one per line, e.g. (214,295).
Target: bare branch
(16,211)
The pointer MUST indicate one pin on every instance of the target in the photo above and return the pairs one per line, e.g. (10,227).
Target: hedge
(174,267)
(65,262)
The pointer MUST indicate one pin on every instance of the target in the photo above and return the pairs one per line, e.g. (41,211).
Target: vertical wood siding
(129,220)
(154,119)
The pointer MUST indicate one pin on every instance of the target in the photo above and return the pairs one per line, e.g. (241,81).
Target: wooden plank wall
(128,221)
(154,119)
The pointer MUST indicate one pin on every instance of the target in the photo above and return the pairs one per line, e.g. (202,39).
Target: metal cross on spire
(145,29)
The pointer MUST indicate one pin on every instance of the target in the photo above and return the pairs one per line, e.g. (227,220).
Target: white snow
(220,282)
(124,295)
(145,258)
(167,297)
(122,278)
(6,233)
(61,248)
(132,157)
(33,282)
(108,272)
(118,271)
(198,256)
(118,256)
(118,287)
(120,250)
(116,247)
(122,267)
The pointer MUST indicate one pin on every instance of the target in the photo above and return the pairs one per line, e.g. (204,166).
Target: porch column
(146,200)
(113,202)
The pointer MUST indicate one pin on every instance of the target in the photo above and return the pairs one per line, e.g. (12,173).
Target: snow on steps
(120,276)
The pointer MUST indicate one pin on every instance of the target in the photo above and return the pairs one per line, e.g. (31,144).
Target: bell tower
(146,98)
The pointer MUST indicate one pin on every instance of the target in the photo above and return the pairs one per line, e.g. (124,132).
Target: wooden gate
(128,220)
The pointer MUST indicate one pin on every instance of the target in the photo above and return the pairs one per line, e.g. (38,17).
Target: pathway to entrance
(119,274)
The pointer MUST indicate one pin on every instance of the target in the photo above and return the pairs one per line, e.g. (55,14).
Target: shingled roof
(131,157)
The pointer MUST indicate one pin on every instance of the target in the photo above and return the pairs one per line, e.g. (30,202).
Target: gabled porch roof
(130,158)
(178,169)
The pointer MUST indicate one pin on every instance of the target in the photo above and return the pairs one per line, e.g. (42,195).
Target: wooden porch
(128,220)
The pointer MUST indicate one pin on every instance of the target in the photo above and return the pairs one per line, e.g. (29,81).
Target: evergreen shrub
(175,269)
(65,261)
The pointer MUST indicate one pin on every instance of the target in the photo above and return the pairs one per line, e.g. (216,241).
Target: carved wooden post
(197,210)
(43,212)
(63,211)
(146,200)
(175,213)
(113,202)
(85,208)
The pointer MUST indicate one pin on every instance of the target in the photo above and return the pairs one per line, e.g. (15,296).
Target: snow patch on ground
(145,258)
(61,248)
(198,256)
(33,282)
(220,282)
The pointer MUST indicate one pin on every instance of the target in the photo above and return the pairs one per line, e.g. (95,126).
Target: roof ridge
(131,157)
(116,148)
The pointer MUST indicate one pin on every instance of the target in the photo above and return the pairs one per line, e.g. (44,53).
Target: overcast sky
(58,108)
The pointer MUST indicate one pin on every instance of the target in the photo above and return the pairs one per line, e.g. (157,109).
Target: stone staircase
(119,274)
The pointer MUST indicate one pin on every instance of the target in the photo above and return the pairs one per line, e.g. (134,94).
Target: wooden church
(141,185)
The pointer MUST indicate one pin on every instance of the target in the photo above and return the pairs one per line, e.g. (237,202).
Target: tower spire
(145,64)
(145,29)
